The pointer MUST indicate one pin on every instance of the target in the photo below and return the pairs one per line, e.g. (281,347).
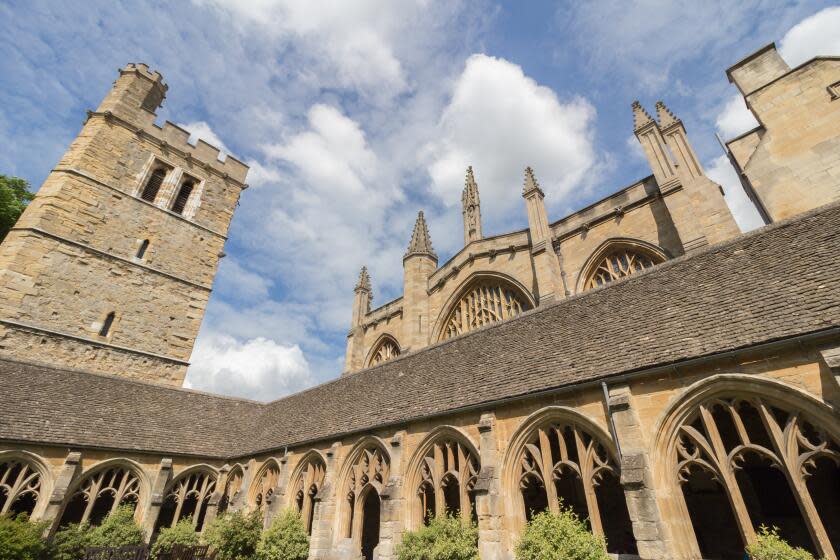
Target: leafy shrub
(182,533)
(770,546)
(21,539)
(445,538)
(285,539)
(549,536)
(234,536)
(70,542)
(118,529)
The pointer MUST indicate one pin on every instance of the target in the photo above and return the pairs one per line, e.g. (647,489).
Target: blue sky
(356,114)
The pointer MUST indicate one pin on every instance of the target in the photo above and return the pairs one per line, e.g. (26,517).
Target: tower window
(107,324)
(183,196)
(152,187)
(141,252)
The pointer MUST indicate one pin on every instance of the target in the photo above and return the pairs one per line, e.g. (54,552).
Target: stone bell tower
(110,267)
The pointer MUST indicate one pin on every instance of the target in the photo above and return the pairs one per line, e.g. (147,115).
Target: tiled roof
(775,283)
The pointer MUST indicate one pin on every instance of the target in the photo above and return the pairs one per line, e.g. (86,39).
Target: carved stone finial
(364,280)
(470,194)
(665,116)
(471,209)
(641,118)
(421,241)
(531,183)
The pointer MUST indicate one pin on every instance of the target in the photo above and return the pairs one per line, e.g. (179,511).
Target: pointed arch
(307,480)
(385,348)
(729,428)
(484,297)
(446,459)
(232,486)
(104,487)
(187,495)
(617,257)
(264,483)
(366,469)
(25,483)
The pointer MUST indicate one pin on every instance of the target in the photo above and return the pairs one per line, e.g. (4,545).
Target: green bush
(21,539)
(549,536)
(234,536)
(770,546)
(286,539)
(445,538)
(118,529)
(182,533)
(70,542)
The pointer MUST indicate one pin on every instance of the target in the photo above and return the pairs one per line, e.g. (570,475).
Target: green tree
(20,539)
(286,539)
(182,533)
(549,536)
(70,542)
(14,196)
(770,546)
(118,529)
(444,538)
(234,536)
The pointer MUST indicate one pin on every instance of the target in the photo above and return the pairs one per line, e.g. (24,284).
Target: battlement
(142,69)
(173,137)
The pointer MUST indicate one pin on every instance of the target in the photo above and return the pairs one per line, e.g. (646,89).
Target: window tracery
(448,474)
(20,487)
(386,350)
(266,484)
(188,497)
(100,494)
(233,485)
(763,465)
(306,486)
(618,264)
(484,303)
(369,473)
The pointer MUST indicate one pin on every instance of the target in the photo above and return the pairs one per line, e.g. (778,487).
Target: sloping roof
(775,283)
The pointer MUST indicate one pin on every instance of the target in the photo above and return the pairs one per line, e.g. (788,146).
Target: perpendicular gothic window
(307,484)
(153,184)
(366,478)
(20,487)
(484,302)
(265,485)
(618,264)
(101,493)
(386,349)
(187,497)
(448,474)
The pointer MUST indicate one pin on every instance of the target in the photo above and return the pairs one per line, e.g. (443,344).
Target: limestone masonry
(675,382)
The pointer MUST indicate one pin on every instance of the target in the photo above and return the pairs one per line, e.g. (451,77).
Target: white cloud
(500,121)
(816,35)
(721,171)
(735,118)
(240,284)
(258,369)
(201,130)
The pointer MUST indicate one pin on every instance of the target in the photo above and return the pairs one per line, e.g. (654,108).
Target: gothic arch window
(183,196)
(385,349)
(102,492)
(153,184)
(364,478)
(485,300)
(307,483)
(187,496)
(21,485)
(264,484)
(744,460)
(233,485)
(445,478)
(561,459)
(616,259)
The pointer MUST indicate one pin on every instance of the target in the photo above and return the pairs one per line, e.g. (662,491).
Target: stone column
(240,500)
(323,520)
(488,502)
(637,478)
(69,470)
(277,499)
(156,497)
(216,497)
(391,522)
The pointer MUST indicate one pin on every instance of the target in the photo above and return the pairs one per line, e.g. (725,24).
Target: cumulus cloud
(200,130)
(720,170)
(735,118)
(499,121)
(257,369)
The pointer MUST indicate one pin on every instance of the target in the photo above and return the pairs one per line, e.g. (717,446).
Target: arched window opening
(153,184)
(105,329)
(20,487)
(366,475)
(748,460)
(562,462)
(188,497)
(370,523)
(485,302)
(100,494)
(307,484)
(387,349)
(448,474)
(619,263)
(141,251)
(183,196)
(265,485)
(232,487)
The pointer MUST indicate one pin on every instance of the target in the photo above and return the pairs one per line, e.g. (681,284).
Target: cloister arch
(558,453)
(615,258)
(364,472)
(483,298)
(232,486)
(753,450)
(188,496)
(264,483)
(441,475)
(384,349)
(25,483)
(306,481)
(103,488)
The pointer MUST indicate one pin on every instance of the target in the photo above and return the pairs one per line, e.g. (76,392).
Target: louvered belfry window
(183,196)
(153,185)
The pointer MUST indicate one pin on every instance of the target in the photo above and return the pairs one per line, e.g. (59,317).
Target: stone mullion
(548,471)
(180,496)
(586,473)
(437,481)
(463,493)
(730,483)
(788,450)
(92,493)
